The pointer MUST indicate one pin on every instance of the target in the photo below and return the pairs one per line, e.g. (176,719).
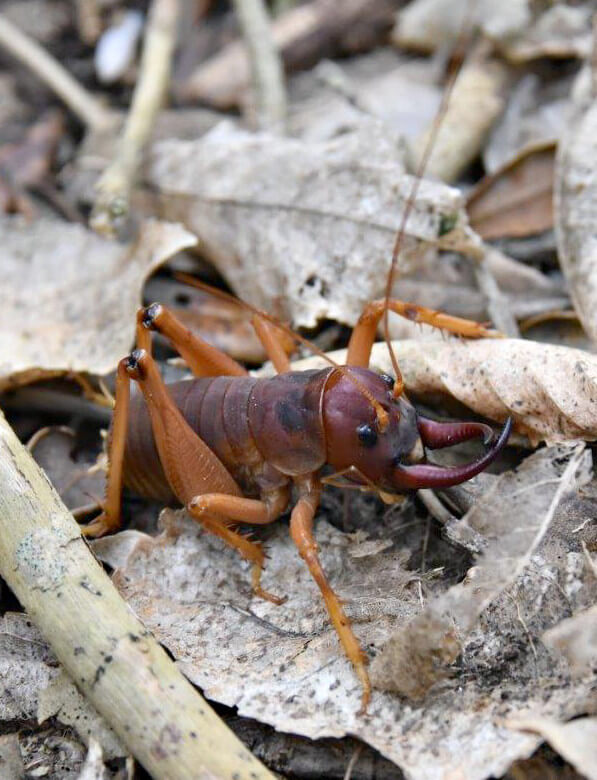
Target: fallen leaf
(576,639)
(317,241)
(69,296)
(283,665)
(506,526)
(548,390)
(516,200)
(11,761)
(576,741)
(575,201)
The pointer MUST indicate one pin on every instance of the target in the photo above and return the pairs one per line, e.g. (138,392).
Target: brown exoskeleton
(229,447)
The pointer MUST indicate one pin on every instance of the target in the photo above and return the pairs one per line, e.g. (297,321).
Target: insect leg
(274,348)
(202,358)
(301,530)
(363,335)
(250,551)
(240,509)
(109,520)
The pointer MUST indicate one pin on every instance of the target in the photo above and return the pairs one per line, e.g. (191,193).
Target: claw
(425,475)
(436,435)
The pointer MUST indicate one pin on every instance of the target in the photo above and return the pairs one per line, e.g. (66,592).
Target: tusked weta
(229,447)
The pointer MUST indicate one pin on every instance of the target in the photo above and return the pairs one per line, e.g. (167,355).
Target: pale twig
(266,65)
(114,660)
(115,185)
(29,53)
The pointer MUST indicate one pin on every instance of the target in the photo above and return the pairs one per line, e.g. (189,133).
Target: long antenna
(461,44)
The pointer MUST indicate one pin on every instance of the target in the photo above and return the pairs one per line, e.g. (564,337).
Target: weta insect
(229,447)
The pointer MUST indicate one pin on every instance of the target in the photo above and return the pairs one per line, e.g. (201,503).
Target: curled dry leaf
(69,296)
(576,204)
(283,665)
(550,391)
(516,200)
(575,741)
(316,240)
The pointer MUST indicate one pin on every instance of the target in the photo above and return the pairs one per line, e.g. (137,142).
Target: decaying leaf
(61,699)
(575,190)
(283,665)
(548,390)
(69,296)
(34,687)
(576,639)
(507,524)
(516,200)
(317,240)
(576,741)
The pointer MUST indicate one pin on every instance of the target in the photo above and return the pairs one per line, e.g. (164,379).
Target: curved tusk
(436,435)
(424,475)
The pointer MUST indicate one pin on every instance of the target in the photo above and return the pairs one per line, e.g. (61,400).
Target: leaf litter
(283,665)
(70,297)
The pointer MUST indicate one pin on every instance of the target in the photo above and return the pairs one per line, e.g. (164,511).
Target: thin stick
(114,186)
(106,650)
(28,52)
(266,65)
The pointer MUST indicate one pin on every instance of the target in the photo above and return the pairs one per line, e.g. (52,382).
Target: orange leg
(202,358)
(301,530)
(109,520)
(271,343)
(363,335)
(250,551)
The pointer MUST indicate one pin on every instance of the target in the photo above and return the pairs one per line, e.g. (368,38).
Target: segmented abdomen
(263,430)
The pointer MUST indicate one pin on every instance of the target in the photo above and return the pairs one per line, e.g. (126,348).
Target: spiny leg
(271,343)
(301,530)
(363,335)
(202,358)
(251,551)
(109,520)
(242,510)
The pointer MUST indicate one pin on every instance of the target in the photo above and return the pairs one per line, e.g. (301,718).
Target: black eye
(388,380)
(367,435)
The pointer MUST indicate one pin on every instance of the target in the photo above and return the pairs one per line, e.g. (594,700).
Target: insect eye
(367,435)
(388,380)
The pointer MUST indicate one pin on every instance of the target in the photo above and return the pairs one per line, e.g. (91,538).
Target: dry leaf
(283,665)
(549,391)
(575,189)
(507,524)
(576,639)
(516,200)
(317,240)
(61,699)
(575,741)
(11,761)
(69,296)
(475,104)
